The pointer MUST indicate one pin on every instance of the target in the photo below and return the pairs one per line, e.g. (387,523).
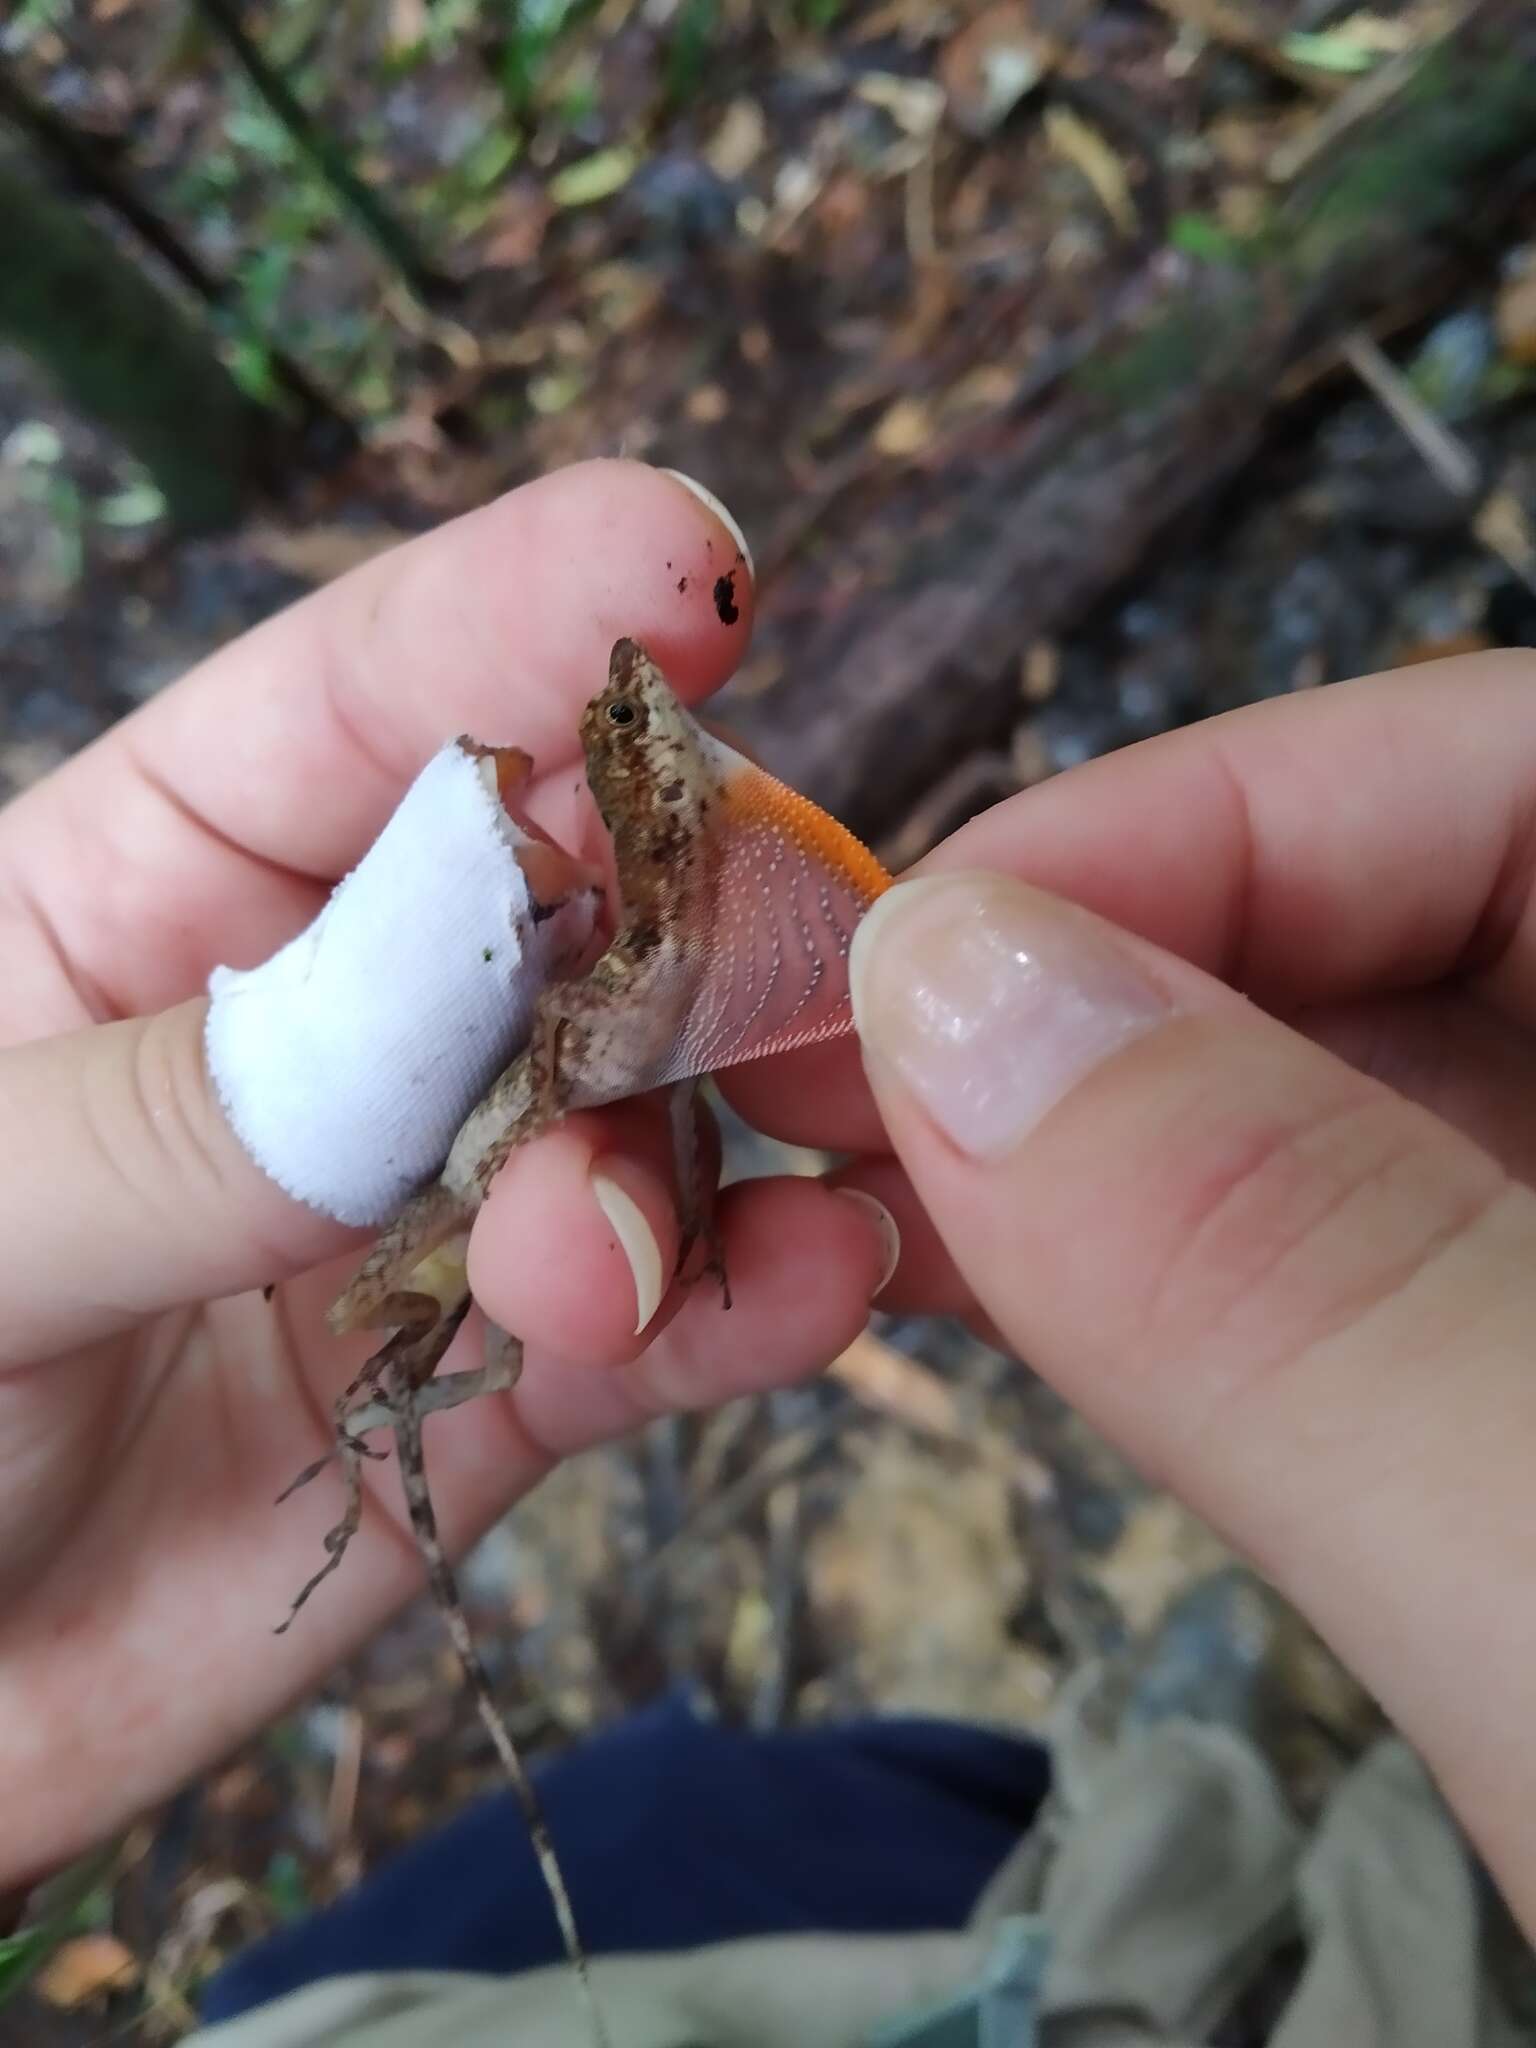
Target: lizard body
(738,900)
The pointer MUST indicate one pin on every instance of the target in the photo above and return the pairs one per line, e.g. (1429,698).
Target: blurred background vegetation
(1077,368)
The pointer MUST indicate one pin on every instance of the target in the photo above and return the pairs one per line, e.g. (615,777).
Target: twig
(388,235)
(784,1575)
(783,1458)
(1501,523)
(665,1514)
(84,165)
(1448,457)
(1230,27)
(1363,101)
(917,210)
(887,1380)
(341,1804)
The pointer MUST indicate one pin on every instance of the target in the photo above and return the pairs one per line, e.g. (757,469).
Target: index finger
(209,825)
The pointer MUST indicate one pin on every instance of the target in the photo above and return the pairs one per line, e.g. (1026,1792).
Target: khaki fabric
(807,1990)
(1165,1874)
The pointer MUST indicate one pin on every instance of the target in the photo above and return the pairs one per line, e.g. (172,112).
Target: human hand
(151,1405)
(1246,1173)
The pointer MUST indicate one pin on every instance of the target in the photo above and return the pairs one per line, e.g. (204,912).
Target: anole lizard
(738,902)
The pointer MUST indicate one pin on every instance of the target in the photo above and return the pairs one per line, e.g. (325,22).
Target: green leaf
(250,364)
(34,441)
(555,391)
(487,161)
(693,35)
(592,178)
(141,504)
(1334,49)
(285,1887)
(35,15)
(71,1903)
(1198,235)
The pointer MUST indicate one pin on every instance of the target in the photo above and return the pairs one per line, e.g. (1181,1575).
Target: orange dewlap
(789,887)
(754,797)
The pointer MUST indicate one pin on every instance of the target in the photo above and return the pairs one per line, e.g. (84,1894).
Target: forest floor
(796,251)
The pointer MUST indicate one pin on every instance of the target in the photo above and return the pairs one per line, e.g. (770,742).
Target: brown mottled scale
(738,904)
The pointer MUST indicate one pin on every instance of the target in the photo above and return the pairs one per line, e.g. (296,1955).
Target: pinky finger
(926,1280)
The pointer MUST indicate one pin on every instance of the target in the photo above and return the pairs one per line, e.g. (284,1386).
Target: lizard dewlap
(347,1061)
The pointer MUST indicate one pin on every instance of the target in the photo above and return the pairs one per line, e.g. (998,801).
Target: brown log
(1020,529)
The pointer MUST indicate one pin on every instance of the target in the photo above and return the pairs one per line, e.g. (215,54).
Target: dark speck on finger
(725,599)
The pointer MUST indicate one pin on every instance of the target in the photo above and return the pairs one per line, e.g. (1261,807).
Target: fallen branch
(907,659)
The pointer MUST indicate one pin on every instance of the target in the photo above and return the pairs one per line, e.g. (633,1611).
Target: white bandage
(347,1061)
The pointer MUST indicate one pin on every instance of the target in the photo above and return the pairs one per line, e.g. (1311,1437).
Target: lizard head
(650,766)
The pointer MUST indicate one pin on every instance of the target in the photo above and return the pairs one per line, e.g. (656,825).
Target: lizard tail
(446,1598)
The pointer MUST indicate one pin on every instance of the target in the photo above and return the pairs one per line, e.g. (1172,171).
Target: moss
(124,353)
(1460,111)
(1196,339)
(1466,109)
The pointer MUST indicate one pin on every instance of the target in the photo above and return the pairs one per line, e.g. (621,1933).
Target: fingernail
(890,1236)
(707,497)
(637,1241)
(991,1001)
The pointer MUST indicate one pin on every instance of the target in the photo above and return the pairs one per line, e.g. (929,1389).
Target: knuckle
(1312,1229)
(150,1117)
(172,1117)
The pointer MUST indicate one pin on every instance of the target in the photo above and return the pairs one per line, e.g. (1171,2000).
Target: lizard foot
(424,1328)
(497,1376)
(351,1451)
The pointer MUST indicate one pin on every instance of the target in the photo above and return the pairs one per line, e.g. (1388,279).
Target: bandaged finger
(347,1061)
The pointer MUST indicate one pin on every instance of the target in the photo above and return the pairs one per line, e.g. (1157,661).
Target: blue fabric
(675,1831)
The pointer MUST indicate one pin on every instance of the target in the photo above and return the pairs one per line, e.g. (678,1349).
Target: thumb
(1302,1302)
(124,1189)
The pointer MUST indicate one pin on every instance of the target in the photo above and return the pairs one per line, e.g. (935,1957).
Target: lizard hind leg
(402,1261)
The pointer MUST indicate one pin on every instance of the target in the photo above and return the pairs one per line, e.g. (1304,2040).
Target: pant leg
(674,1831)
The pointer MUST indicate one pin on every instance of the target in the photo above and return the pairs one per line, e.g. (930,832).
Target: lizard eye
(621,713)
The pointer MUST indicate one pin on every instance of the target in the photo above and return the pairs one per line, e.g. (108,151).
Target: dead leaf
(738,142)
(407,23)
(983,389)
(991,64)
(1505,528)
(515,229)
(1516,316)
(906,428)
(86,1971)
(708,405)
(916,105)
(1081,145)
(1441,647)
(917,1574)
